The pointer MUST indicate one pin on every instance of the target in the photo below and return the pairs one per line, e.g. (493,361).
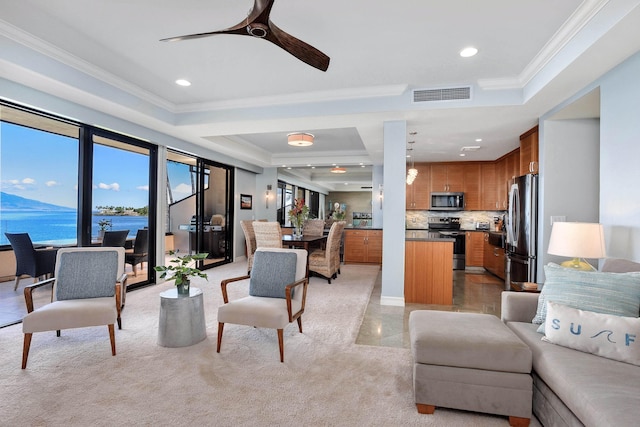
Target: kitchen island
(428,268)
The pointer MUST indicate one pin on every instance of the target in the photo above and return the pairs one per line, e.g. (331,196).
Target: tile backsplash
(468,219)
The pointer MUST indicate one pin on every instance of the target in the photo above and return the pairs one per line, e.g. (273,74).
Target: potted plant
(104,225)
(182,268)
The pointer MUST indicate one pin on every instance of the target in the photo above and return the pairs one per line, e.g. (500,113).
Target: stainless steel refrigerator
(522,230)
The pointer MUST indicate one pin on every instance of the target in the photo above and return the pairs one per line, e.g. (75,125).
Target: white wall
(395,141)
(569,178)
(620,159)
(245,183)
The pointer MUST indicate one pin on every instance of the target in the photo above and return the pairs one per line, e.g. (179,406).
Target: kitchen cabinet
(363,246)
(472,182)
(428,272)
(494,258)
(529,151)
(489,189)
(507,167)
(474,249)
(418,193)
(447,177)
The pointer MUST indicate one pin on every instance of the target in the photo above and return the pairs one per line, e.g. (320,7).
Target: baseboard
(395,301)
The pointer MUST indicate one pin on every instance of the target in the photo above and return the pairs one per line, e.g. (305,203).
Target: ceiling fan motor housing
(257,30)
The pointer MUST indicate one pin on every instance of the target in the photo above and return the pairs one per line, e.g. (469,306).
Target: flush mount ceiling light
(338,169)
(300,139)
(183,82)
(468,52)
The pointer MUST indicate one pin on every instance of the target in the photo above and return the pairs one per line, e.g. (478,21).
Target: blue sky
(43,166)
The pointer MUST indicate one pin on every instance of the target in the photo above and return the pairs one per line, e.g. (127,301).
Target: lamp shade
(577,240)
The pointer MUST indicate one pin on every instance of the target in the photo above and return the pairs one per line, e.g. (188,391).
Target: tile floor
(387,326)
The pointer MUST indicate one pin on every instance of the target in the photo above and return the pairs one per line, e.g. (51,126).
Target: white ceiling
(248,94)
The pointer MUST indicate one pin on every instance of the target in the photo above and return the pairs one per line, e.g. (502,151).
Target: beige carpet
(326,379)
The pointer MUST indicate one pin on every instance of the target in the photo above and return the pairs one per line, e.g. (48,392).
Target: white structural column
(393,219)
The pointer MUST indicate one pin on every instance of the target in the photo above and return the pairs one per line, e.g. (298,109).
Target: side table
(181,318)
(519,287)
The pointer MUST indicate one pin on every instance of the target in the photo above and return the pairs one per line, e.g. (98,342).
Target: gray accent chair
(272,303)
(87,291)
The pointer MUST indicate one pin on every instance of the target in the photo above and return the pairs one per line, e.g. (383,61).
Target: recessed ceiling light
(478,139)
(183,82)
(462,155)
(468,52)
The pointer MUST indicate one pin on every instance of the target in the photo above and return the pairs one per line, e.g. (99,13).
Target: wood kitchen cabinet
(474,249)
(529,151)
(489,189)
(447,177)
(428,272)
(507,167)
(494,258)
(472,183)
(418,193)
(363,246)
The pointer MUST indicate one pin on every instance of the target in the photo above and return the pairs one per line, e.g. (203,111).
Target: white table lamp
(577,240)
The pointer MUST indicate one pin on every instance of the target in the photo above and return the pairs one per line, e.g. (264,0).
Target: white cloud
(143,187)
(51,183)
(114,187)
(28,181)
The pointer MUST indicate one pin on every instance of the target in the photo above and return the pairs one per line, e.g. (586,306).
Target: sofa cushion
(599,391)
(608,293)
(604,335)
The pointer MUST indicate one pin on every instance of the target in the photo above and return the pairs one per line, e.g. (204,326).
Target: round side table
(181,318)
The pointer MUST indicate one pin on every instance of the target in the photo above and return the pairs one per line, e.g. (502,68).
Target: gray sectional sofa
(572,388)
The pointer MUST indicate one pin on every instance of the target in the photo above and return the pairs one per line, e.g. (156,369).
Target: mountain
(11,202)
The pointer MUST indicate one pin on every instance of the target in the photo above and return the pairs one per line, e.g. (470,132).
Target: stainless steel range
(450,227)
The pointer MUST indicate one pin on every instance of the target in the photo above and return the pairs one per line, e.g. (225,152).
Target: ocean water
(60,228)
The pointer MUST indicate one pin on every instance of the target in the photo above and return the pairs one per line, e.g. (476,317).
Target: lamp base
(577,264)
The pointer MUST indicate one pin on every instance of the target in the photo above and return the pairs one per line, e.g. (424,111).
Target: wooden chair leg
(425,409)
(519,422)
(112,337)
(135,270)
(15,286)
(58,333)
(281,342)
(119,322)
(300,324)
(25,349)
(220,330)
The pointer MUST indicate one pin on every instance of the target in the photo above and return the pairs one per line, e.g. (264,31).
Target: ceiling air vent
(444,94)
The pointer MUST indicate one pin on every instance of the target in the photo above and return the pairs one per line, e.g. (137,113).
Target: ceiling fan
(257,24)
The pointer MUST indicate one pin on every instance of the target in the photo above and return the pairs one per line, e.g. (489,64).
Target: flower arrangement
(298,214)
(181,268)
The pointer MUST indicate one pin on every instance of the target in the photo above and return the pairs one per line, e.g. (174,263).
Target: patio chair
(86,292)
(36,263)
(114,239)
(139,254)
(277,293)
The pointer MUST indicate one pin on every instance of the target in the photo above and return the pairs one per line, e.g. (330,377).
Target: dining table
(304,242)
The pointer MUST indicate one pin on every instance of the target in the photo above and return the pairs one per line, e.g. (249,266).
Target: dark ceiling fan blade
(259,16)
(258,25)
(298,48)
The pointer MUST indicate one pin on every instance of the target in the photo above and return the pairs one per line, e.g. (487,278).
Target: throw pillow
(606,335)
(90,274)
(271,273)
(608,293)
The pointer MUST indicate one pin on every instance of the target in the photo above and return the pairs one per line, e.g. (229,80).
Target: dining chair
(313,227)
(36,263)
(268,234)
(139,254)
(86,292)
(324,262)
(114,239)
(277,293)
(250,241)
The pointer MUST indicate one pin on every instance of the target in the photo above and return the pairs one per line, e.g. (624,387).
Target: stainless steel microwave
(447,201)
